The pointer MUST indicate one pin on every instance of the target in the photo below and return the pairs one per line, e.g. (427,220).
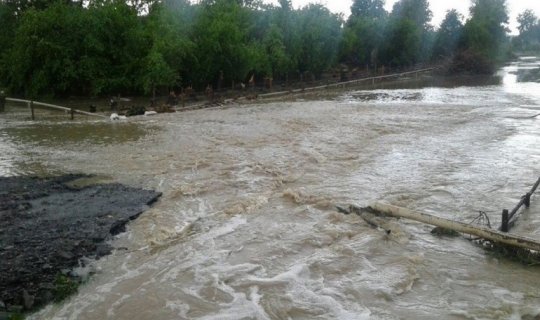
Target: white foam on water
(246,226)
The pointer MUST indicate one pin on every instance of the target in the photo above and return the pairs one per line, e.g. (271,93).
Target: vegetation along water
(247,226)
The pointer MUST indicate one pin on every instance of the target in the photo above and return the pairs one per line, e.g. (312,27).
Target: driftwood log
(383,209)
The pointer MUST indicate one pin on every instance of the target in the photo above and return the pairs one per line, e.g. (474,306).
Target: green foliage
(279,62)
(64,287)
(417,11)
(103,47)
(404,43)
(69,49)
(171,50)
(527,21)
(221,42)
(448,35)
(16,316)
(484,35)
(363,33)
(529,33)
(373,9)
(116,42)
(43,50)
(520,255)
(408,33)
(319,40)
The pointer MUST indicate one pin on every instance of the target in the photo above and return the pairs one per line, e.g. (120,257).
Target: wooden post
(527,200)
(504,221)
(72,111)
(2,101)
(31,106)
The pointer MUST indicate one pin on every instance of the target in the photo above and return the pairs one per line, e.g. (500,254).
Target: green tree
(363,33)
(417,11)
(484,40)
(43,57)
(529,33)
(8,22)
(221,37)
(527,21)
(373,9)
(408,33)
(279,62)
(448,35)
(320,34)
(166,28)
(115,48)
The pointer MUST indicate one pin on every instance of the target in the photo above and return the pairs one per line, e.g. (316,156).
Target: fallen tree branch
(482,232)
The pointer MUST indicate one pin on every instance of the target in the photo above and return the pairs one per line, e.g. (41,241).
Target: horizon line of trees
(102,47)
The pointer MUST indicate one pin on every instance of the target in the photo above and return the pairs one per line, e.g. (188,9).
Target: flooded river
(247,228)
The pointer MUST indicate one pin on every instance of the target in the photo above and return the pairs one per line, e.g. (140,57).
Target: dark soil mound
(46,227)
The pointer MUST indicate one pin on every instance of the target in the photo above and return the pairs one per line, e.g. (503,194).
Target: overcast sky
(439,8)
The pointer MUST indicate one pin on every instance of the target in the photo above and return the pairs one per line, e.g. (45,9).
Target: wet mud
(48,226)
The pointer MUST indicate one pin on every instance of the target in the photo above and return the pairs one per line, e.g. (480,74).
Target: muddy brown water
(246,228)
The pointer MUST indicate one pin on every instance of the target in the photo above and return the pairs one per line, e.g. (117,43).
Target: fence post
(31,106)
(72,111)
(504,222)
(527,200)
(2,101)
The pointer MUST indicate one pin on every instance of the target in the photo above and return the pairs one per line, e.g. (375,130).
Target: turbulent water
(247,228)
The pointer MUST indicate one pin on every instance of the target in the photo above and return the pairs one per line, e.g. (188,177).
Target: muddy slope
(47,226)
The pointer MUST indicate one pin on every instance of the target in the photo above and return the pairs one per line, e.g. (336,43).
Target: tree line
(100,47)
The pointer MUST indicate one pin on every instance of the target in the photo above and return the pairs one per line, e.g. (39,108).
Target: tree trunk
(485,233)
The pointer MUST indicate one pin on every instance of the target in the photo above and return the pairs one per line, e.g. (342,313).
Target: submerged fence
(509,218)
(346,84)
(72,111)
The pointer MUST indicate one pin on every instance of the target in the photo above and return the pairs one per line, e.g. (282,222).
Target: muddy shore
(48,226)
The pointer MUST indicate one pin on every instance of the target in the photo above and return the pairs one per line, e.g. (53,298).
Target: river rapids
(247,226)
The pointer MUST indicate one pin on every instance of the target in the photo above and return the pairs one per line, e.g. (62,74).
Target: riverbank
(49,226)
(193,100)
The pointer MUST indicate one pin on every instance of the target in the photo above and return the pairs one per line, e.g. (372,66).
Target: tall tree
(368,9)
(43,57)
(417,11)
(221,36)
(527,21)
(529,32)
(484,35)
(167,28)
(408,33)
(448,35)
(363,32)
(319,40)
